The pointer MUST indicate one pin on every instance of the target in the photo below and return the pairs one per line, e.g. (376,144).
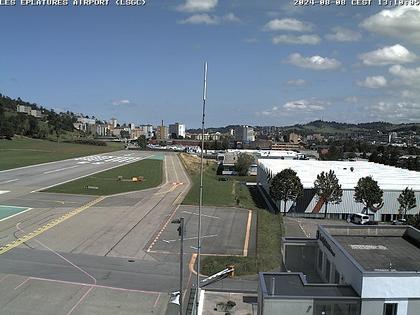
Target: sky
(270,62)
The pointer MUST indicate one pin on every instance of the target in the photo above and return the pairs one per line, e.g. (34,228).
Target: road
(84,249)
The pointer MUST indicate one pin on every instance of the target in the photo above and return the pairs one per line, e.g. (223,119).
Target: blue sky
(270,62)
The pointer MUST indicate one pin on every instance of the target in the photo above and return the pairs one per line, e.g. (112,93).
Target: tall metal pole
(200,203)
(181,263)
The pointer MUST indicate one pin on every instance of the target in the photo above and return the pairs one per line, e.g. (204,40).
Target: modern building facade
(346,270)
(177,130)
(390,179)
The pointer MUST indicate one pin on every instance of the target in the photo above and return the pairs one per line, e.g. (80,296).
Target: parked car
(359,218)
(399,222)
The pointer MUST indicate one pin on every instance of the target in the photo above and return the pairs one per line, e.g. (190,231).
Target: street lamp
(180,229)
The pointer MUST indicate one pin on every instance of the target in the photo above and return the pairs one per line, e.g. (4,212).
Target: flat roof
(388,177)
(380,249)
(289,284)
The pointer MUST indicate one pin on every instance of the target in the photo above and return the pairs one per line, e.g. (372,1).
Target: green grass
(25,151)
(107,183)
(269,225)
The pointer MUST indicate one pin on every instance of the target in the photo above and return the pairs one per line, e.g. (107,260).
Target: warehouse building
(390,179)
(346,270)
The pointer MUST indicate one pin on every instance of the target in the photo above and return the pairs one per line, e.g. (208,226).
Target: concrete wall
(348,270)
(391,287)
(287,307)
(413,307)
(372,307)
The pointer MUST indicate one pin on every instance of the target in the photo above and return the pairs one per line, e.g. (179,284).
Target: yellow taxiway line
(48,226)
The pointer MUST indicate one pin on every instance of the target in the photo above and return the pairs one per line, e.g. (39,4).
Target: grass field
(107,182)
(235,193)
(25,151)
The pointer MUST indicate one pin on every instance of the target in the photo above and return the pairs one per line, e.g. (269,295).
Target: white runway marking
(189,238)
(100,159)
(203,215)
(9,181)
(60,169)
(4,192)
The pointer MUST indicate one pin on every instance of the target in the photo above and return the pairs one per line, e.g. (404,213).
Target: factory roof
(347,172)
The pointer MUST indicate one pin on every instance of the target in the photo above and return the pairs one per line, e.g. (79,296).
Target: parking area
(307,227)
(225,231)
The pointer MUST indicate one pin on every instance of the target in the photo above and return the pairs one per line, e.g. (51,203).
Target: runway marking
(13,215)
(248,232)
(49,225)
(93,285)
(60,169)
(4,192)
(26,280)
(190,238)
(93,173)
(156,302)
(162,229)
(203,215)
(4,278)
(9,181)
(80,301)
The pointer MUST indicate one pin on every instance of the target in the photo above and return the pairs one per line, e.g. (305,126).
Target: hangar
(391,180)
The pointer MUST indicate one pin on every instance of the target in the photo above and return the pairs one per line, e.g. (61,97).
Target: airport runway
(72,254)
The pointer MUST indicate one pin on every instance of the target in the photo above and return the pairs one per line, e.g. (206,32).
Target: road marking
(203,215)
(93,173)
(26,280)
(248,232)
(9,181)
(4,192)
(49,225)
(190,238)
(80,301)
(13,215)
(60,169)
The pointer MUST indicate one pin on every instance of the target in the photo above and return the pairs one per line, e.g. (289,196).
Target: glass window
(390,309)
(320,259)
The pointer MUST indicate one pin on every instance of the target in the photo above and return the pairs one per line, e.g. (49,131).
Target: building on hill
(390,179)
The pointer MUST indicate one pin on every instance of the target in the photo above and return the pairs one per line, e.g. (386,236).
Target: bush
(90,142)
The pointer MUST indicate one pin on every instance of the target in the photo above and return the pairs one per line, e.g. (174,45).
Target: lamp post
(180,221)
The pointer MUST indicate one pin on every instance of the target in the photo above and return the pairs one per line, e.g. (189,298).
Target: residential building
(147,130)
(23,109)
(113,122)
(295,138)
(177,130)
(36,113)
(162,133)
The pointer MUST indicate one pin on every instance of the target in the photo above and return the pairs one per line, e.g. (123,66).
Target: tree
(285,186)
(142,142)
(328,189)
(124,134)
(243,163)
(407,200)
(368,192)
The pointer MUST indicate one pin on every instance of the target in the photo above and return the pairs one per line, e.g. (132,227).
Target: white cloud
(300,40)
(288,25)
(341,34)
(402,22)
(314,62)
(297,82)
(201,19)
(121,102)
(197,6)
(395,111)
(305,105)
(230,17)
(389,55)
(207,19)
(408,76)
(374,82)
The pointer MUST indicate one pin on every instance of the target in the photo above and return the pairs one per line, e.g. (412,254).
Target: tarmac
(72,254)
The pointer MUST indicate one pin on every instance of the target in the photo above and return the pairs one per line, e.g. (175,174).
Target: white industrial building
(390,179)
(177,129)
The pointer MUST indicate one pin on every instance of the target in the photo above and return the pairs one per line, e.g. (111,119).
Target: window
(390,309)
(320,259)
(327,270)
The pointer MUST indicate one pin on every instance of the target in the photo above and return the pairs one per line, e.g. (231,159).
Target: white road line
(16,214)
(203,215)
(189,238)
(4,192)
(60,169)
(9,181)
(93,173)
